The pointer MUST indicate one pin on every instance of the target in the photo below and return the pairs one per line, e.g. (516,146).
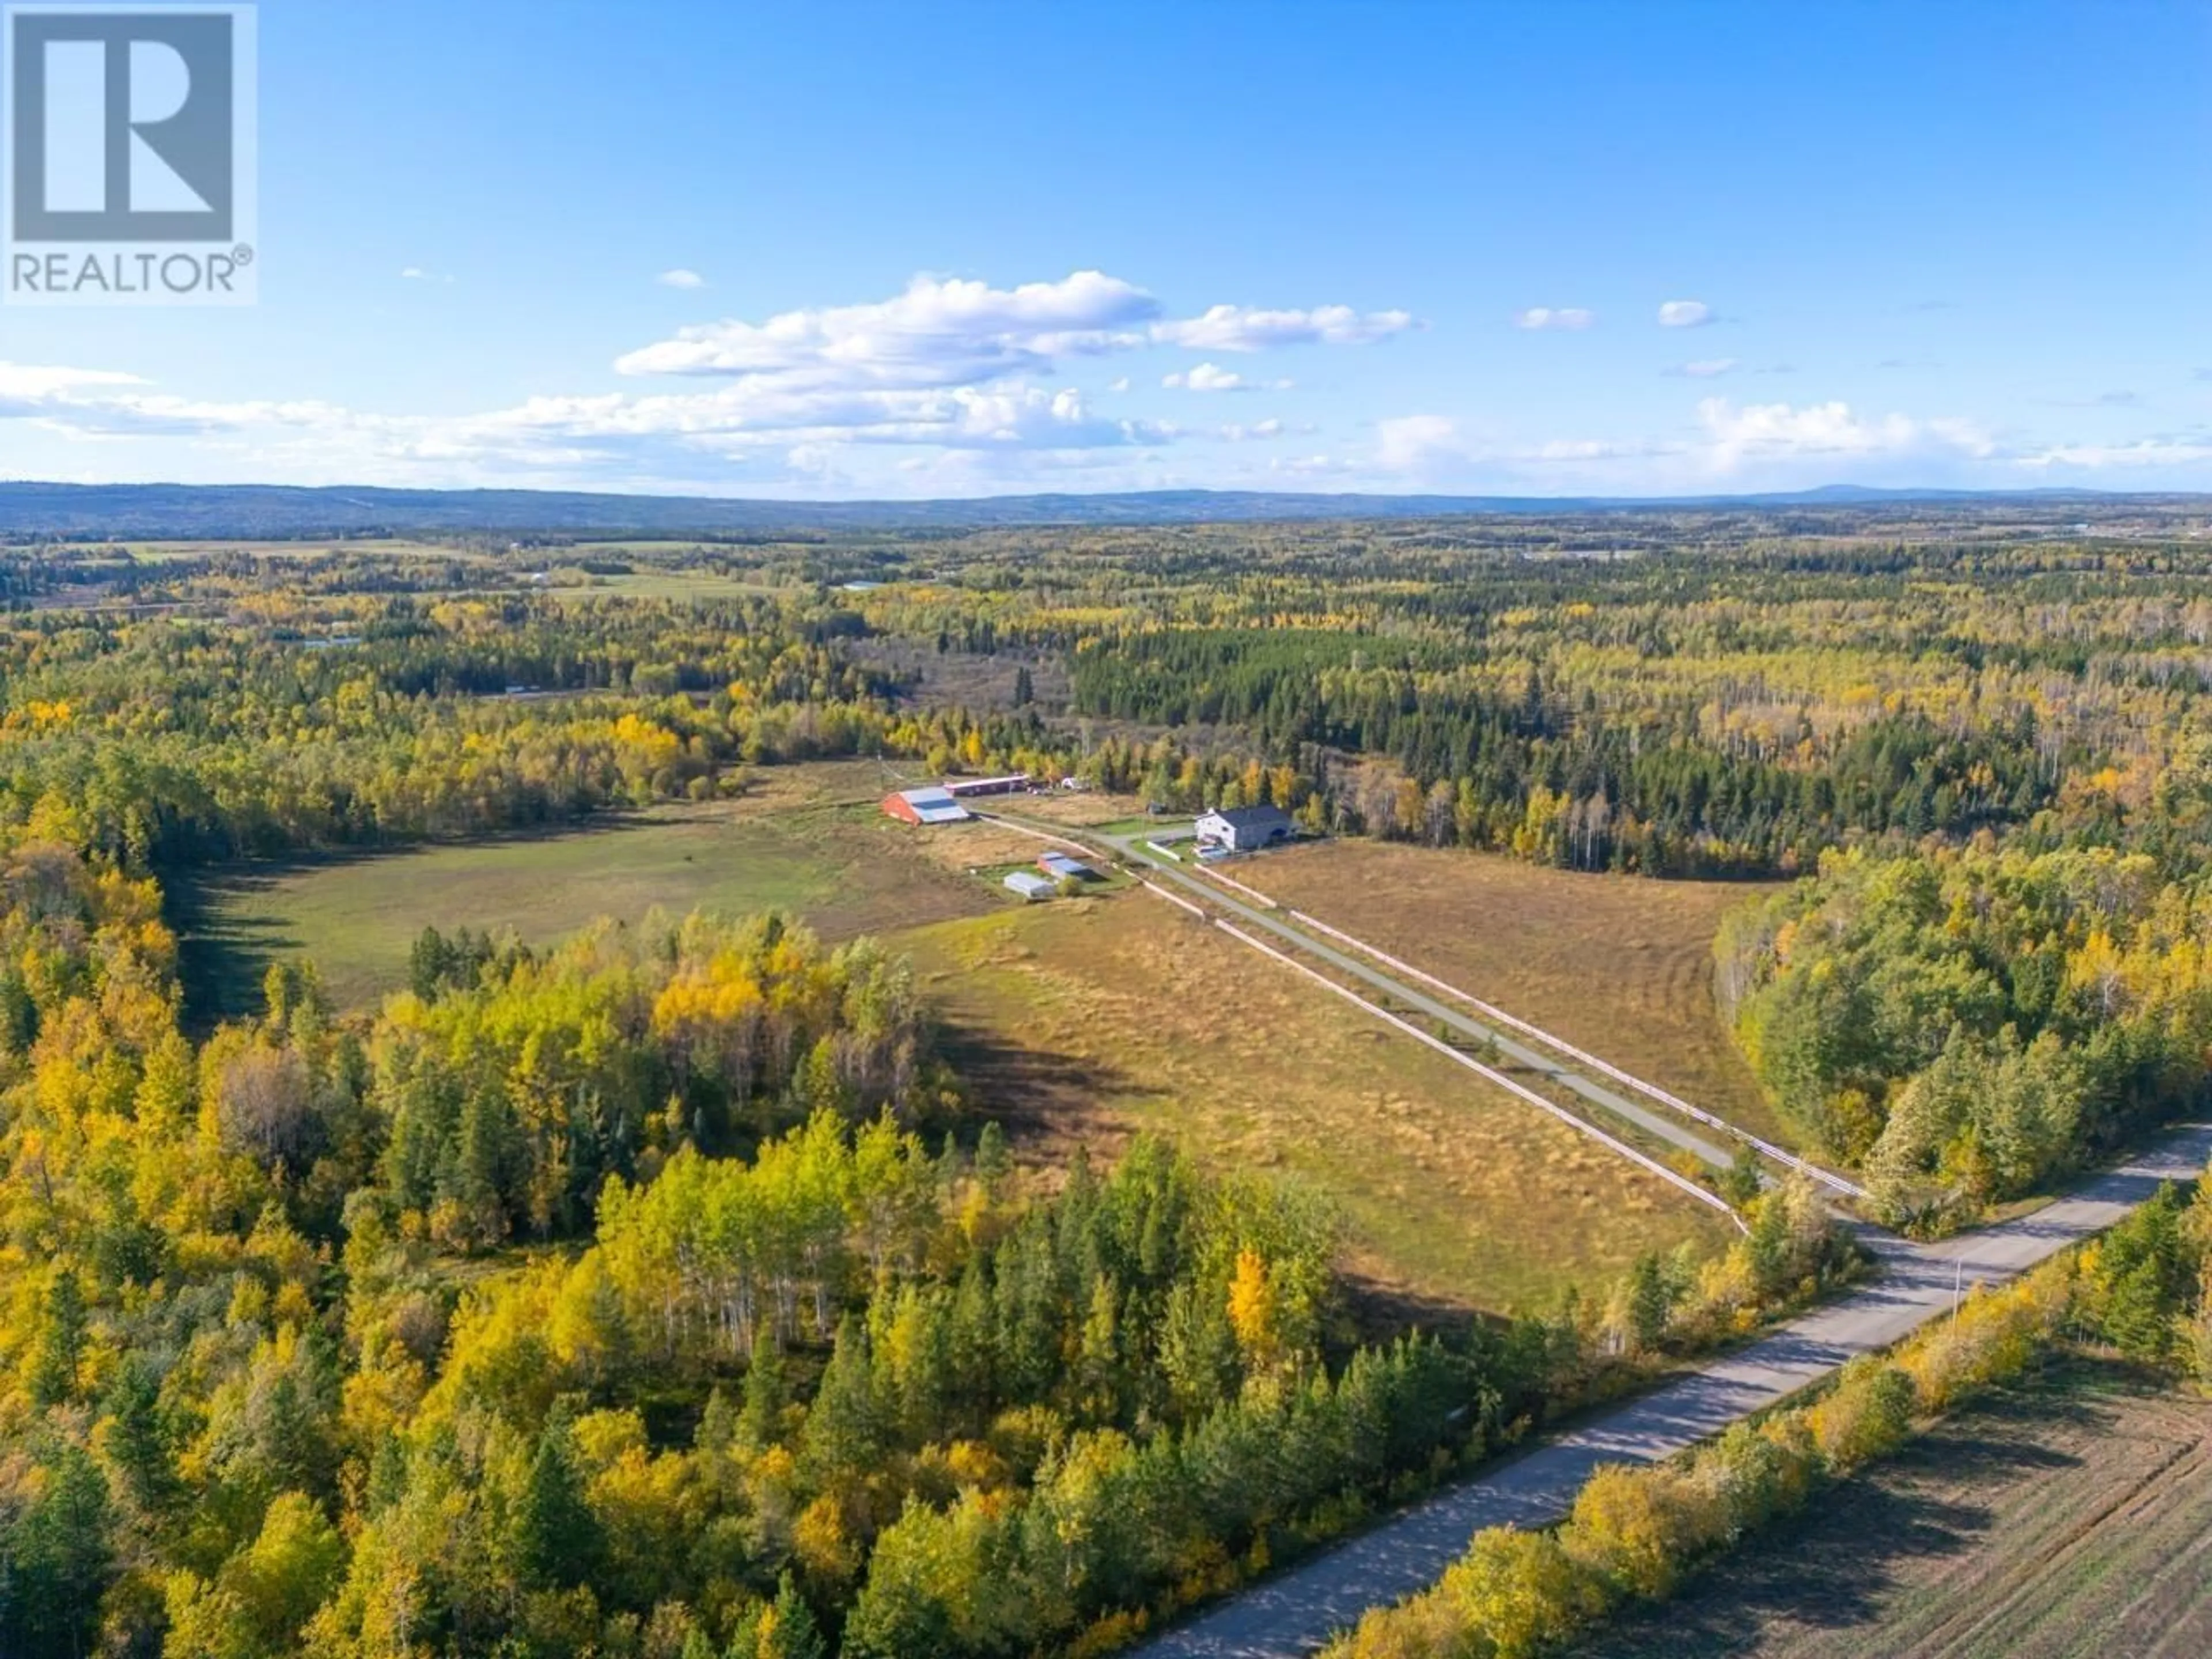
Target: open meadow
(806,839)
(1092,1020)
(1619,965)
(1085,1021)
(2064,1518)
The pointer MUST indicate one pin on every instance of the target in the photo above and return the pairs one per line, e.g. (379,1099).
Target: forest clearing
(1080,1024)
(796,840)
(1087,1022)
(1622,966)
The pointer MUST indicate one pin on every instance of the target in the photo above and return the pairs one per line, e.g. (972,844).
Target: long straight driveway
(1657,1123)
(1297,1611)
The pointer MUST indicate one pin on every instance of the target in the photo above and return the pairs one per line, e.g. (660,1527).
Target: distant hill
(259,512)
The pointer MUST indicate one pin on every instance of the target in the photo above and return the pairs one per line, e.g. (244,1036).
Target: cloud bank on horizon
(954,386)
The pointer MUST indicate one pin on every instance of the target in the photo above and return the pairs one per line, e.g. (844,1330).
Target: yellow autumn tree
(1255,1312)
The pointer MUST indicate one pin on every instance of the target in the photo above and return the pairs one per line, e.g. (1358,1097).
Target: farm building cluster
(941,803)
(1053,870)
(946,803)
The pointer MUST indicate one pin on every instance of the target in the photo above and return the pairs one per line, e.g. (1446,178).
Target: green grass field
(1146,826)
(1091,1021)
(800,842)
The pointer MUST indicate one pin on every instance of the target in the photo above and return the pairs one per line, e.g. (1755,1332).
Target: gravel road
(1295,1612)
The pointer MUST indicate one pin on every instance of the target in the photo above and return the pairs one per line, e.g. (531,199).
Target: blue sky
(953,248)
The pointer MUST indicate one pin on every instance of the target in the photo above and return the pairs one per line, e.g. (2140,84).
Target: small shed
(1031,887)
(1061,866)
(925,806)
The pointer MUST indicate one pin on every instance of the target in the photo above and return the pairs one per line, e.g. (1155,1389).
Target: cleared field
(2071,1516)
(1080,808)
(571,584)
(1094,1019)
(798,841)
(173,552)
(1616,964)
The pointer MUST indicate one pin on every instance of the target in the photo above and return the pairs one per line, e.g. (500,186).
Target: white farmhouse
(1244,828)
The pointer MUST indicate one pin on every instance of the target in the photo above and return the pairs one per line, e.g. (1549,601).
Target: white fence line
(1034,835)
(1499,1078)
(1183,903)
(1252,893)
(1826,1177)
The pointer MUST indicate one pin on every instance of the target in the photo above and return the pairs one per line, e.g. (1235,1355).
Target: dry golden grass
(974,846)
(1093,1019)
(1619,965)
(1080,809)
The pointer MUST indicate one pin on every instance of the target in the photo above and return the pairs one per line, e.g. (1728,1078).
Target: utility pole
(1958,1288)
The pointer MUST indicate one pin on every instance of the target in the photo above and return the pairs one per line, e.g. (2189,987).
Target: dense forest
(666,1291)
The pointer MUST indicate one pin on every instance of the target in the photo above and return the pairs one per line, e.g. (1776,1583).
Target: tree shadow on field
(1833,1568)
(1380,1311)
(1040,1096)
(222,955)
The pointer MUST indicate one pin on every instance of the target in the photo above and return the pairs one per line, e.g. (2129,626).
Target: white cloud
(762,435)
(1412,443)
(1705,368)
(946,331)
(579,432)
(30,382)
(1236,433)
(1212,377)
(1243,328)
(818,398)
(939,332)
(1762,433)
(953,385)
(1568,317)
(1308,468)
(2147,453)
(1764,446)
(681,278)
(748,414)
(1685,314)
(1435,446)
(416,274)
